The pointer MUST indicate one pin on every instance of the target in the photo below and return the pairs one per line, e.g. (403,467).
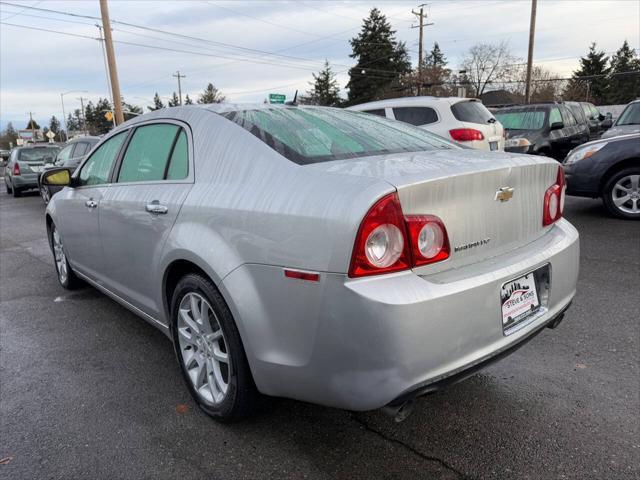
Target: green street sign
(277,98)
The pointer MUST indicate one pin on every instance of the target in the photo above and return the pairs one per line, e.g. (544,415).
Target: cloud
(36,66)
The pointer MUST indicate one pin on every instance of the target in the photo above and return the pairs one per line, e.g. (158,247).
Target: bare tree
(545,86)
(486,63)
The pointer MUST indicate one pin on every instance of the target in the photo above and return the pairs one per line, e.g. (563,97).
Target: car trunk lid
(462,188)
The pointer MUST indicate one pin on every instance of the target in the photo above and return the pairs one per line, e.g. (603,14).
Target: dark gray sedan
(610,169)
(70,157)
(25,165)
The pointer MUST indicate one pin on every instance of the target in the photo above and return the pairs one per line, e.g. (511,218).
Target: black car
(541,129)
(598,122)
(610,169)
(70,156)
(582,119)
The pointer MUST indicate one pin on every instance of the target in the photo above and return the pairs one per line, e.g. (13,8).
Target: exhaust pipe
(400,412)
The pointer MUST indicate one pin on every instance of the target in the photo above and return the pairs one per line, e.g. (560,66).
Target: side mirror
(57,177)
(557,125)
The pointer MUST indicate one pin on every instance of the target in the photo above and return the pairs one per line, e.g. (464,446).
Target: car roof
(87,138)
(531,106)
(44,145)
(412,101)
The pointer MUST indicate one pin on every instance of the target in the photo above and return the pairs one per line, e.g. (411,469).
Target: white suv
(464,120)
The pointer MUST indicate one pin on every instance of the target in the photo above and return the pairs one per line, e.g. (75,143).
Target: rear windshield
(522,119)
(630,115)
(313,135)
(37,154)
(471,112)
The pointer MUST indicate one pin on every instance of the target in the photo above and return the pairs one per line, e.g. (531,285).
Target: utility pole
(111,59)
(422,16)
(532,34)
(33,128)
(84,118)
(178,76)
(106,70)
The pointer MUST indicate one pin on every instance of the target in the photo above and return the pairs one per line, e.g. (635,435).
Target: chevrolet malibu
(319,254)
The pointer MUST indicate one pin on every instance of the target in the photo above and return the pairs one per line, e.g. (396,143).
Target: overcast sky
(251,48)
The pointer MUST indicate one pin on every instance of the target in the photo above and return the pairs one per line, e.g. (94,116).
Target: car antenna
(293,102)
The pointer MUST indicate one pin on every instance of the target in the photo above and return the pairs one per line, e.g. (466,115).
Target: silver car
(319,254)
(628,122)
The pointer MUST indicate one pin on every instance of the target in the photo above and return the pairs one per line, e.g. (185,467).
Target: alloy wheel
(60,257)
(203,348)
(625,194)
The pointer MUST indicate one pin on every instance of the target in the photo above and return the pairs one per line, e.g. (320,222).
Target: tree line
(383,70)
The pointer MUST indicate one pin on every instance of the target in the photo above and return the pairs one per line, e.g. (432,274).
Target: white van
(465,120)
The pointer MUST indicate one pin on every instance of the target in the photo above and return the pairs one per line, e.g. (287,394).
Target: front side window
(554,116)
(415,115)
(312,135)
(148,153)
(96,169)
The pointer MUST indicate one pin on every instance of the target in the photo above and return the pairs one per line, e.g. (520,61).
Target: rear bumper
(26,180)
(361,344)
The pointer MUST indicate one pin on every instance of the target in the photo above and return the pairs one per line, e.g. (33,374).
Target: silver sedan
(319,254)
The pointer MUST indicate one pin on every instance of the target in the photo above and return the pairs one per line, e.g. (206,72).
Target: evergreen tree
(436,58)
(8,137)
(624,87)
(157,103)
(131,111)
(54,126)
(74,121)
(325,91)
(590,80)
(211,95)
(381,59)
(174,101)
(96,122)
(187,100)
(32,125)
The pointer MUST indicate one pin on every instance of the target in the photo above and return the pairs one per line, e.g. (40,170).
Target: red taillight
(429,240)
(381,245)
(466,134)
(554,200)
(16,169)
(389,242)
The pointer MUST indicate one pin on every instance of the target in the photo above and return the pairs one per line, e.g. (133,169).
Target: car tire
(16,191)
(45,194)
(201,341)
(9,190)
(64,272)
(613,193)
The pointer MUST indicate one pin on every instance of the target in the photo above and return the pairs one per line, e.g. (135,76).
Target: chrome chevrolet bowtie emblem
(504,194)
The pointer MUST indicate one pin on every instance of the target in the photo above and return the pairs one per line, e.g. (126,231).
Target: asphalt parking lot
(88,390)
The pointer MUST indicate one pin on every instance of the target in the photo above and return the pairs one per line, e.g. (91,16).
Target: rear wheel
(210,351)
(9,191)
(16,192)
(621,194)
(66,277)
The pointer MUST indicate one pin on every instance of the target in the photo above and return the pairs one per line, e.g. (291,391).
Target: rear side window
(577,113)
(471,112)
(569,119)
(179,162)
(81,149)
(96,169)
(148,153)
(378,111)
(415,115)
